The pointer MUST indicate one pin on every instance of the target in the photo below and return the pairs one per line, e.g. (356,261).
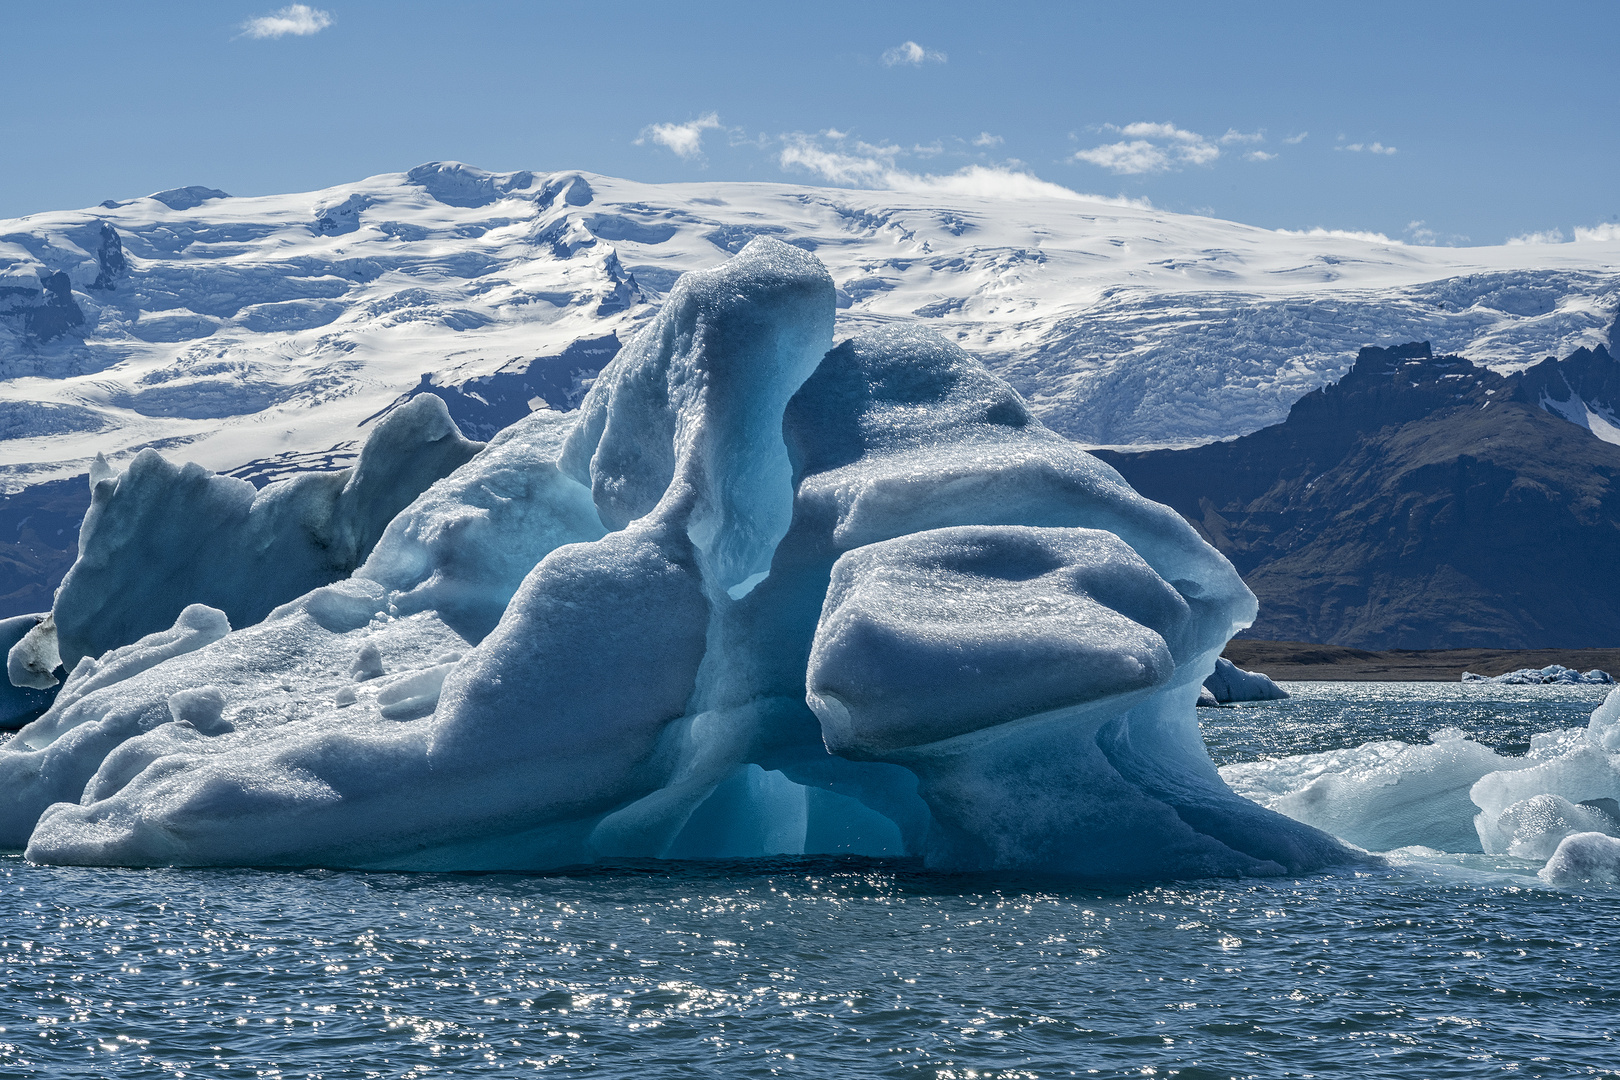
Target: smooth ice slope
(774,505)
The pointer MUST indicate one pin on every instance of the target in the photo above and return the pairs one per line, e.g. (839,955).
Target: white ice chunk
(1585,858)
(1381,795)
(32,661)
(1533,828)
(1228,682)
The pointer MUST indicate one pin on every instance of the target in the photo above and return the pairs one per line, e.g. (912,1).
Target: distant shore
(1302,661)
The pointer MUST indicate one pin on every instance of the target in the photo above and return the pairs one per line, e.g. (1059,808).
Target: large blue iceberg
(758,595)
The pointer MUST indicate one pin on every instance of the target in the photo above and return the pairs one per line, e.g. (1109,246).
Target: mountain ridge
(1416,504)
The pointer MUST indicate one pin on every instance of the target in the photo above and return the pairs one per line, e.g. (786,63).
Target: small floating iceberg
(1559,803)
(1552,674)
(1228,683)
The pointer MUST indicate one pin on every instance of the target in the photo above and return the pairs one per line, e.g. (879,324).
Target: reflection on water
(1463,966)
(1334,715)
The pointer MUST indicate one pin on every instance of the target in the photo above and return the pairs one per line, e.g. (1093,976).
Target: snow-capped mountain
(235,330)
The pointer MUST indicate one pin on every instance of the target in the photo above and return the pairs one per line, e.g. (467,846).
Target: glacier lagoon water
(1431,966)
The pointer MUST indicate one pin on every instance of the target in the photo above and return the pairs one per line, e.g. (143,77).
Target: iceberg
(761,594)
(1228,683)
(1558,803)
(1552,674)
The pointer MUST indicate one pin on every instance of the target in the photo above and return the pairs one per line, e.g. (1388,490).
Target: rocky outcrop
(1422,502)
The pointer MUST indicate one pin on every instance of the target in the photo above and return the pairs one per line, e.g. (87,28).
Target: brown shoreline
(1302,661)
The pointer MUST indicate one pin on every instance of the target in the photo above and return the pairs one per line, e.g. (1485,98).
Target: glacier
(762,593)
(271,330)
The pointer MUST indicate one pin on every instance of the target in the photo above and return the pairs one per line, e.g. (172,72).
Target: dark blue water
(816,968)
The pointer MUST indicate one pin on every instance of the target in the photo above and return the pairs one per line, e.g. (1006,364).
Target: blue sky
(1426,121)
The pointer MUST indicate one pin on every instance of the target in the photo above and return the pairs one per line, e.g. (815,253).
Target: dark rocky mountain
(1422,502)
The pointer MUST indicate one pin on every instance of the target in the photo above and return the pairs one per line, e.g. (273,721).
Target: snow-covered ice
(780,597)
(232,330)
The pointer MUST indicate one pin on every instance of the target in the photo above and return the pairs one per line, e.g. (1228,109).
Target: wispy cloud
(1295,140)
(909,52)
(1583,234)
(838,158)
(1371,148)
(1150,147)
(1259,155)
(1420,233)
(1127,158)
(686,140)
(1545,236)
(1233,135)
(987,139)
(1608,230)
(298,20)
(858,163)
(1339,234)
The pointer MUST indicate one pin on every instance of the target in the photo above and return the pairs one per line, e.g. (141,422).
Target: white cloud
(1546,236)
(987,139)
(868,166)
(1153,147)
(1584,234)
(1146,130)
(1295,140)
(1371,148)
(1233,135)
(686,140)
(1260,155)
(299,20)
(1340,234)
(1127,158)
(872,165)
(909,52)
(1421,233)
(1608,230)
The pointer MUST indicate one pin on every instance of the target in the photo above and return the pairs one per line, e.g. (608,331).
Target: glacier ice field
(230,330)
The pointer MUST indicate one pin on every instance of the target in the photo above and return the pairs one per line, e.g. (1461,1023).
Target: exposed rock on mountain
(1422,502)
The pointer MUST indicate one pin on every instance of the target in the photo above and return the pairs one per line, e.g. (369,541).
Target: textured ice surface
(466,544)
(1456,795)
(1381,795)
(1552,673)
(159,537)
(1228,682)
(1584,857)
(760,595)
